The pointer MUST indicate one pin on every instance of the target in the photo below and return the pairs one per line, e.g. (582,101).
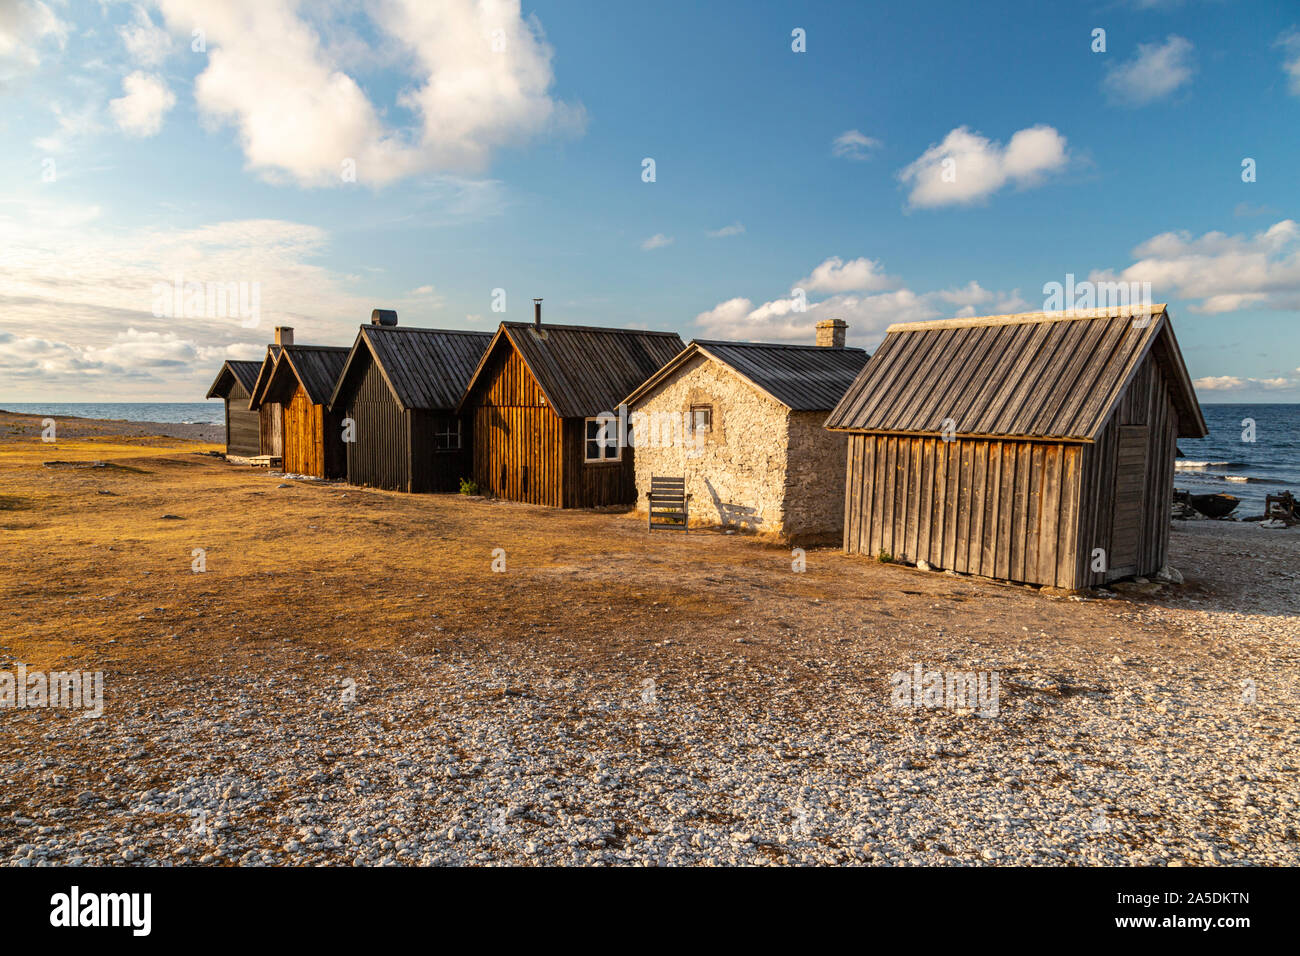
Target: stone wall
(736,473)
(814,483)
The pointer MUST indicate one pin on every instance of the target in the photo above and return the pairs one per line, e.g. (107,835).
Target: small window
(602,440)
(446,434)
(702,418)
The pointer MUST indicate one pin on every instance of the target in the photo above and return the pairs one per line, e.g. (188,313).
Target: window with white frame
(446,434)
(602,440)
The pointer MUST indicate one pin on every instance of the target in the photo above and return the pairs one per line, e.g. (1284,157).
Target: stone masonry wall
(814,484)
(737,472)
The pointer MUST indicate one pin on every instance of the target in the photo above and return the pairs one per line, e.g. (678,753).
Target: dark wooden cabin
(534,400)
(400,388)
(233,385)
(302,382)
(1036,448)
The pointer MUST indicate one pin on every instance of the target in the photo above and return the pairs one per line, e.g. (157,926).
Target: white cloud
(300,115)
(147,43)
(793,319)
(856,275)
(1290,43)
(852,144)
(77,300)
(1153,73)
(967,167)
(735,229)
(1234,383)
(1224,273)
(1219,383)
(146,101)
(657,241)
(73,124)
(25,26)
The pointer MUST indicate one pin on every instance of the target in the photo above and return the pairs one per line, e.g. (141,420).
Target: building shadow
(741,517)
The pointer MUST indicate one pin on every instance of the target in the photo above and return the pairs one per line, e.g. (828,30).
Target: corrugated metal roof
(804,378)
(1036,375)
(582,370)
(245,373)
(425,368)
(315,367)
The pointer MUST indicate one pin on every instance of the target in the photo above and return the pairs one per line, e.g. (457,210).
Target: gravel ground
(1154,726)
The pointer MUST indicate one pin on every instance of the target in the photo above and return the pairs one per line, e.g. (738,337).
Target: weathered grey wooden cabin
(1036,448)
(535,400)
(301,383)
(400,387)
(233,385)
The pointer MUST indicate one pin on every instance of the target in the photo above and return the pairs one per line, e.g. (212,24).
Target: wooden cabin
(1035,448)
(535,400)
(400,388)
(742,422)
(233,385)
(301,382)
(270,415)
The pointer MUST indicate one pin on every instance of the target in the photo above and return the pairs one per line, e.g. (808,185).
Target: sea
(1225,461)
(1239,460)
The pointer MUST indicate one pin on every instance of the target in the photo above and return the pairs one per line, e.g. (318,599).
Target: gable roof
(804,378)
(232,371)
(315,367)
(583,370)
(263,377)
(425,369)
(1035,375)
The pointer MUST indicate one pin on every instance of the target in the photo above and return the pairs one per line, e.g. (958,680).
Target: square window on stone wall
(702,418)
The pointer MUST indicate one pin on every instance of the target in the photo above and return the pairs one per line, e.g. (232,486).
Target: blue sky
(501,147)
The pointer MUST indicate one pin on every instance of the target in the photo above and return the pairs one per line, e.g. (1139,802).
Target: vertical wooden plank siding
(379,456)
(518,439)
(1146,402)
(1001,508)
(271,420)
(303,450)
(242,426)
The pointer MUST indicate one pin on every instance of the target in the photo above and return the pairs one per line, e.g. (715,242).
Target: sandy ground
(350,682)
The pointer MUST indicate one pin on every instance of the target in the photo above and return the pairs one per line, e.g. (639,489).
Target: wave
(1241,479)
(1182,464)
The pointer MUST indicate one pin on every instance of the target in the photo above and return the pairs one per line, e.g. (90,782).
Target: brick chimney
(284,335)
(830,333)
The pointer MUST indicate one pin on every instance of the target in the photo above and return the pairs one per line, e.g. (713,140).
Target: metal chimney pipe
(537,314)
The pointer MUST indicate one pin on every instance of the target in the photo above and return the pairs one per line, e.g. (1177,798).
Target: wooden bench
(668,507)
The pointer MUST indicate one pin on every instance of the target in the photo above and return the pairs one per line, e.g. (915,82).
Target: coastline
(72,426)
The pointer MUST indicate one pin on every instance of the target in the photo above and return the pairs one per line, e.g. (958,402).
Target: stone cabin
(742,421)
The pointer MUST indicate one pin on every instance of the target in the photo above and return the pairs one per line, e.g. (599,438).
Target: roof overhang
(503,331)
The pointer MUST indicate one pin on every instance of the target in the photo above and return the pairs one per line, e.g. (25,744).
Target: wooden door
(1128,512)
